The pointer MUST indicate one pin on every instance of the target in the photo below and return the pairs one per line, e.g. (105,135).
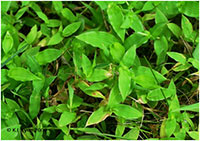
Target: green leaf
(160,17)
(194,62)
(194,135)
(158,29)
(67,13)
(71,28)
(51,109)
(136,39)
(7,43)
(66,118)
(175,29)
(64,129)
(161,47)
(177,56)
(55,39)
(39,12)
(192,107)
(117,51)
(35,98)
(20,12)
(99,75)
(156,94)
(124,82)
(4,77)
(58,6)
(103,4)
(116,19)
(114,96)
(186,27)
(97,39)
(47,56)
(132,134)
(142,70)
(6,111)
(129,56)
(146,81)
(189,8)
(132,20)
(127,112)
(86,65)
(53,23)
(33,64)
(170,126)
(71,95)
(21,74)
(96,86)
(195,53)
(136,23)
(6,134)
(148,6)
(32,35)
(169,8)
(98,116)
(5,5)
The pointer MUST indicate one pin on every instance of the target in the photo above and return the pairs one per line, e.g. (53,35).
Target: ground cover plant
(99,70)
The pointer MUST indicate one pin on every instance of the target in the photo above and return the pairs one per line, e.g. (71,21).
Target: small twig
(188,47)
(63,87)
(104,20)
(84,111)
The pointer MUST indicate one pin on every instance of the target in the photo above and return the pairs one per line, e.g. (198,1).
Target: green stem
(156,79)
(16,53)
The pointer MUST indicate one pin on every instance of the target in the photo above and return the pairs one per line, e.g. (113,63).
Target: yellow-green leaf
(177,56)
(98,116)
(83,86)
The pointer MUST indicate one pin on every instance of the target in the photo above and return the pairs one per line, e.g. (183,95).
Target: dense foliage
(99,70)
